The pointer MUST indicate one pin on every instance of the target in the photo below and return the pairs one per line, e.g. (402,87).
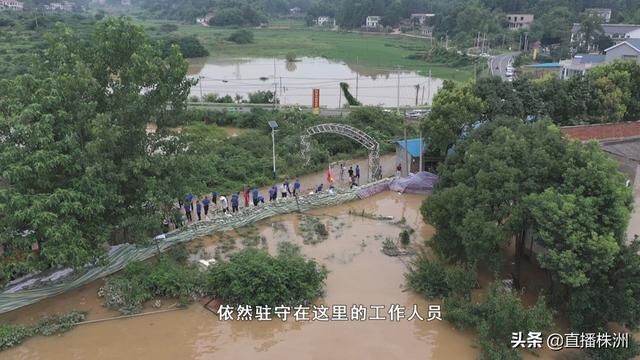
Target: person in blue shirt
(199,209)
(271,193)
(187,211)
(205,204)
(296,187)
(320,187)
(214,198)
(259,200)
(189,200)
(358,173)
(255,196)
(286,186)
(234,202)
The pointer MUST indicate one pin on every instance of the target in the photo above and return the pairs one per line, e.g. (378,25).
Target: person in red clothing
(246,196)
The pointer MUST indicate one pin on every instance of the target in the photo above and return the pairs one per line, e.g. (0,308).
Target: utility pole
(339,97)
(417,93)
(357,77)
(422,100)
(520,43)
(429,88)
(200,78)
(446,45)
(275,86)
(398,90)
(421,168)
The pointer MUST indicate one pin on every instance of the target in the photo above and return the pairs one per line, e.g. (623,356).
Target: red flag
(330,175)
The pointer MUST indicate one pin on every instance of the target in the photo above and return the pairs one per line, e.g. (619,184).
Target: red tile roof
(611,131)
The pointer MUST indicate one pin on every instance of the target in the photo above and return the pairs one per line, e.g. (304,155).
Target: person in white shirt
(224,204)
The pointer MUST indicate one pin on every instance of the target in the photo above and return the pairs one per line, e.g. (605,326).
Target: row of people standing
(222,202)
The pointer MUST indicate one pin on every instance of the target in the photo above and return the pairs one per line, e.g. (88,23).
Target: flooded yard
(294,81)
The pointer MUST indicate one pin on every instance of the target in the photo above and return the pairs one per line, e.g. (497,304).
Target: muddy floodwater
(294,81)
(359,274)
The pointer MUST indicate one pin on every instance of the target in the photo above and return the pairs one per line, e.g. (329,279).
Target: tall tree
(82,170)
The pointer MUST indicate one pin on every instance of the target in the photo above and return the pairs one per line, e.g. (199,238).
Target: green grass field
(369,50)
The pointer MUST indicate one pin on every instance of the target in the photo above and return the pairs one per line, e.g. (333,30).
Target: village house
(325,21)
(635,34)
(294,10)
(626,50)
(615,32)
(603,14)
(426,31)
(64,6)
(519,21)
(125,2)
(373,22)
(420,19)
(11,5)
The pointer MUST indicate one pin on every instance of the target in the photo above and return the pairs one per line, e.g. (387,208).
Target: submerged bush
(253,277)
(435,280)
(496,318)
(139,282)
(13,335)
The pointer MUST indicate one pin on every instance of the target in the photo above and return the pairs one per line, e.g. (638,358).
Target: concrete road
(498,64)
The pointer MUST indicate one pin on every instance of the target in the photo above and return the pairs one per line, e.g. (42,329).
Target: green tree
(81,169)
(253,277)
(454,111)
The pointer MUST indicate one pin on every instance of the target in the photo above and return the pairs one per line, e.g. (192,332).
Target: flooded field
(295,80)
(359,274)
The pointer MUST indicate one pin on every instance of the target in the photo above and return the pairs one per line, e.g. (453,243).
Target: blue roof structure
(413,146)
(545,65)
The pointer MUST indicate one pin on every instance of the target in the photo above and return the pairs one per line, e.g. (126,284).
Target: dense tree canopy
(75,151)
(508,176)
(608,93)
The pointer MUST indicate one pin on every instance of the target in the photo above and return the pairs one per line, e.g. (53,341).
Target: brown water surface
(359,274)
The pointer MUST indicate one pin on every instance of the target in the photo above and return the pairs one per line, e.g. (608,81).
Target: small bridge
(358,135)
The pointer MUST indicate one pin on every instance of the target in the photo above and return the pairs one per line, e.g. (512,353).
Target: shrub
(405,236)
(12,335)
(139,282)
(242,36)
(190,46)
(435,280)
(496,318)
(253,277)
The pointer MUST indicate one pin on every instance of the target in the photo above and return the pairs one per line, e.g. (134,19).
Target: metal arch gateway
(358,135)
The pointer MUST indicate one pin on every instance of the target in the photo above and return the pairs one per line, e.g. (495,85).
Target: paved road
(498,64)
(248,107)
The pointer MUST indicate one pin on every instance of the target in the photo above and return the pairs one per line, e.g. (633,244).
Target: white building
(325,21)
(519,21)
(604,14)
(420,19)
(635,34)
(125,2)
(373,22)
(11,5)
(426,31)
